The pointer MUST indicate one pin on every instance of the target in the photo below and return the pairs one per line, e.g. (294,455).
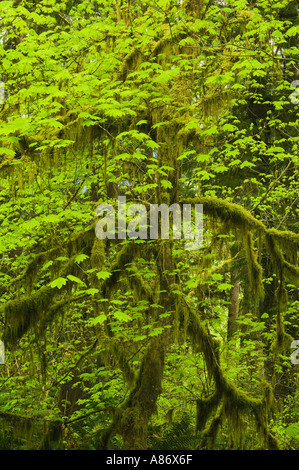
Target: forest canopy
(139,343)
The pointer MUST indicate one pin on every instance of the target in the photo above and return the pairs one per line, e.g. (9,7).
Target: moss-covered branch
(236,404)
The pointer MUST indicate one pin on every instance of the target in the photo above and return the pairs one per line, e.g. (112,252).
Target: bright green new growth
(164,103)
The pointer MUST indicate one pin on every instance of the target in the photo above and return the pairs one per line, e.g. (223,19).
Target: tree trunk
(137,410)
(233,310)
(142,401)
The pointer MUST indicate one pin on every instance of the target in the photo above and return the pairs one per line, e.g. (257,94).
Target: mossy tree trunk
(233,309)
(133,417)
(142,402)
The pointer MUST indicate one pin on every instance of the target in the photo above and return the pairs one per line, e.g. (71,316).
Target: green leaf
(47,265)
(229,128)
(75,279)
(191,283)
(217,276)
(99,319)
(166,184)
(139,338)
(59,283)
(81,258)
(5,151)
(292,430)
(121,316)
(103,275)
(203,158)
(61,258)
(92,291)
(158,330)
(246,164)
(224,286)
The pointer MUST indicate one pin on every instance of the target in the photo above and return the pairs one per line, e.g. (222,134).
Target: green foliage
(176,436)
(140,344)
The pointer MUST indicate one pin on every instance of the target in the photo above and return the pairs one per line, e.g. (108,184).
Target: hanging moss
(142,290)
(98,254)
(240,405)
(130,63)
(124,257)
(163,47)
(288,240)
(81,242)
(283,340)
(276,255)
(193,8)
(22,314)
(236,404)
(205,343)
(52,436)
(174,290)
(30,275)
(56,308)
(291,272)
(209,435)
(141,403)
(234,215)
(204,408)
(271,442)
(283,268)
(119,356)
(22,425)
(254,269)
